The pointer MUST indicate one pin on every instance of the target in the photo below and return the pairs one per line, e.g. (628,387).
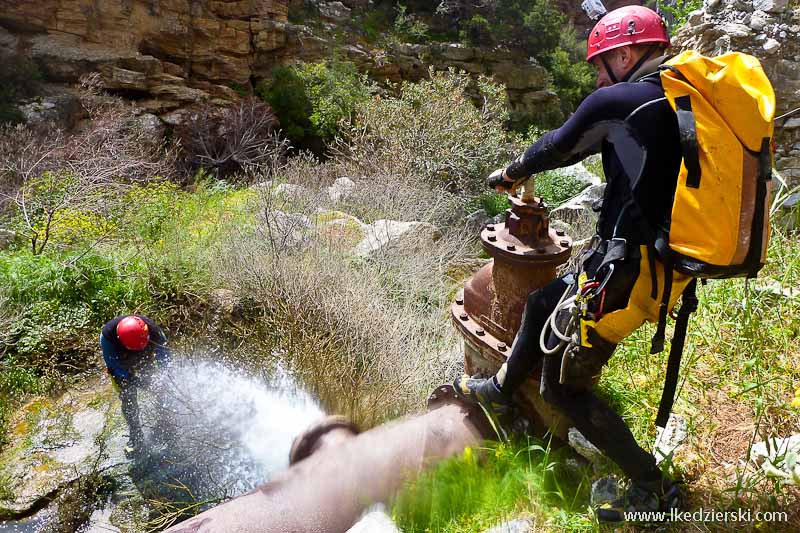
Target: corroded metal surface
(338,478)
(488,312)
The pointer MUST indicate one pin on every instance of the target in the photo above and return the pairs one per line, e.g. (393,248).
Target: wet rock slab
(54,443)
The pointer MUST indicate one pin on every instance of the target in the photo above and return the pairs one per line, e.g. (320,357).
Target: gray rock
(291,191)
(7,237)
(581,444)
(579,212)
(775,287)
(779,458)
(286,230)
(61,111)
(520,525)
(669,439)
(580,175)
(759,20)
(385,236)
(150,125)
(696,17)
(61,441)
(771,46)
(736,30)
(224,302)
(770,6)
(457,52)
(477,221)
(334,11)
(341,189)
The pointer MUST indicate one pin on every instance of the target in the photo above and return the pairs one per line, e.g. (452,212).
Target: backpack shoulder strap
(688,306)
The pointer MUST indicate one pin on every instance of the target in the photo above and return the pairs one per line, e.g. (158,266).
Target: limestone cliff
(167,54)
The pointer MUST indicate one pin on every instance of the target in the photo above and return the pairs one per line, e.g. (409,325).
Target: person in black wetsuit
(629,121)
(133,347)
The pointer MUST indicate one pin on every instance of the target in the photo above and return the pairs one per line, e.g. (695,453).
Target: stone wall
(166,53)
(769,30)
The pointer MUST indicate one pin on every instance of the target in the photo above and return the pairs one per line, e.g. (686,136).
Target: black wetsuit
(636,131)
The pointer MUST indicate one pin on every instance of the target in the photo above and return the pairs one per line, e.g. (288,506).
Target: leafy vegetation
(311,100)
(679,10)
(487,486)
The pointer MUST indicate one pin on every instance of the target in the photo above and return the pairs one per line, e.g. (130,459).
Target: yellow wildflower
(796,403)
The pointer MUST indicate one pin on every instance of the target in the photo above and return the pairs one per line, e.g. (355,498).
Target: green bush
(679,11)
(312,100)
(573,77)
(408,27)
(433,132)
(476,31)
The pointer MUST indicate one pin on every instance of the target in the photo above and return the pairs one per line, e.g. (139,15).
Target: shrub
(434,132)
(408,27)
(311,100)
(573,77)
(678,11)
(476,31)
(238,139)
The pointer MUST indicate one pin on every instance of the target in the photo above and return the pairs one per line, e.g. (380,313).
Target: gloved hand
(497,182)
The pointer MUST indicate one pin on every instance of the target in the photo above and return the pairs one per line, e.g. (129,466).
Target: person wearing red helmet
(629,121)
(133,346)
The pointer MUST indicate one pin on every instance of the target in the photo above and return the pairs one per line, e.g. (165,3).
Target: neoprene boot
(641,502)
(484,391)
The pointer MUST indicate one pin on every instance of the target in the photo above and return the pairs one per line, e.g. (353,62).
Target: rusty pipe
(336,474)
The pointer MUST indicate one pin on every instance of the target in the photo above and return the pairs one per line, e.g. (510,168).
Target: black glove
(495,179)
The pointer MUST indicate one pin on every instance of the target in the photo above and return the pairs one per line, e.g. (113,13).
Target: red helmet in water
(133,333)
(625,26)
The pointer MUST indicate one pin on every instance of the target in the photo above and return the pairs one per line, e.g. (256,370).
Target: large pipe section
(336,473)
(526,253)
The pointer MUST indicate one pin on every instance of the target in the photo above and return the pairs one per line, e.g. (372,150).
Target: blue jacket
(121,362)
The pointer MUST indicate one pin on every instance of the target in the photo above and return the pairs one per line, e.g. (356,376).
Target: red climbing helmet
(133,333)
(625,26)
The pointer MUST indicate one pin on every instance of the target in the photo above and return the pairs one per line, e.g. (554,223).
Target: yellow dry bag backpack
(719,222)
(725,105)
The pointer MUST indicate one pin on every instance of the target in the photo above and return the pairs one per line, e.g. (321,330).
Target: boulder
(150,126)
(582,177)
(670,438)
(581,211)
(581,444)
(388,236)
(286,230)
(7,238)
(62,111)
(291,191)
(779,458)
(334,12)
(340,189)
(55,442)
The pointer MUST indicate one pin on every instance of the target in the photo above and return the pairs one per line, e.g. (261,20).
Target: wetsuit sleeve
(111,358)
(577,138)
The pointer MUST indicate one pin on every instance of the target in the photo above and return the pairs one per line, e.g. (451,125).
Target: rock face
(171,54)
(166,53)
(770,31)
